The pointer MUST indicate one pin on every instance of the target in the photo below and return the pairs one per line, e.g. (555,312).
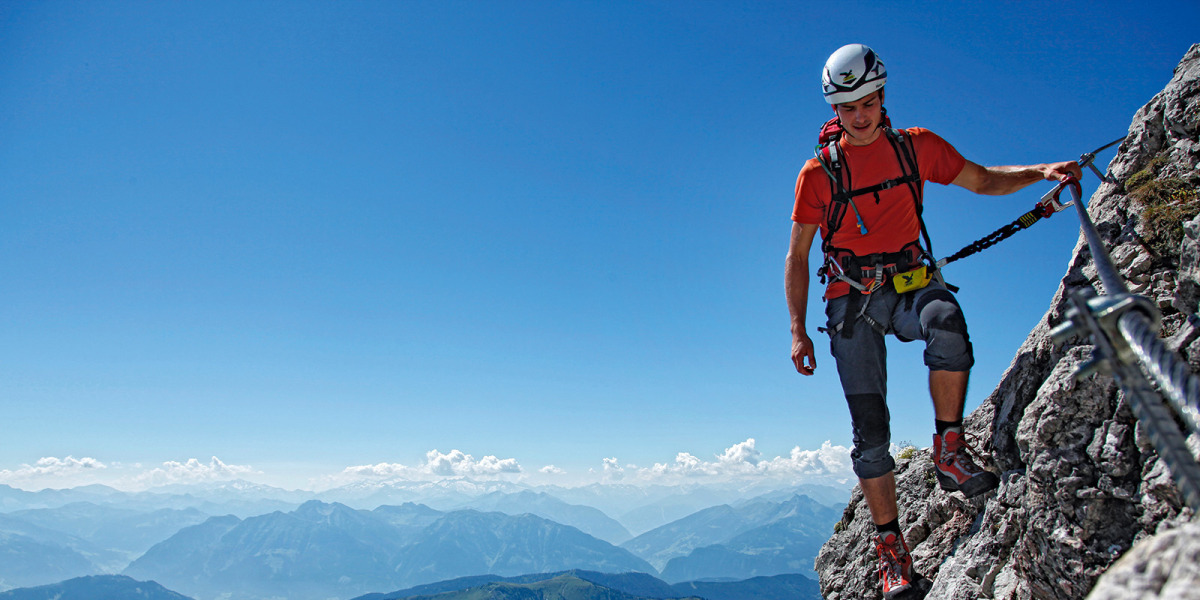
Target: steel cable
(1172,375)
(1162,430)
(1126,340)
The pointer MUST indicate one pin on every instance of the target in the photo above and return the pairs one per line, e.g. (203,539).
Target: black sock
(893,526)
(942,426)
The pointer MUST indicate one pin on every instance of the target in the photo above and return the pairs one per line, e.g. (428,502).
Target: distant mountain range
(322,550)
(30,561)
(240,498)
(638,508)
(566,585)
(559,587)
(96,587)
(753,539)
(585,518)
(46,545)
(124,533)
(791,587)
(642,508)
(588,585)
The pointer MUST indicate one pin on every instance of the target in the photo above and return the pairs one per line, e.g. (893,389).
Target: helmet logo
(852,72)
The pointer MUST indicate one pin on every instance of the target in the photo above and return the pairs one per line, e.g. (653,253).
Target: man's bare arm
(997,181)
(795,279)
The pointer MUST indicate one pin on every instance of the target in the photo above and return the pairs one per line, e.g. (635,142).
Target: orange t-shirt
(891,221)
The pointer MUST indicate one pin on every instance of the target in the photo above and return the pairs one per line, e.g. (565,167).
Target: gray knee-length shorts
(930,314)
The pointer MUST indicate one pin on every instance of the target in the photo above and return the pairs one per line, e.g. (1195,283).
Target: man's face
(861,118)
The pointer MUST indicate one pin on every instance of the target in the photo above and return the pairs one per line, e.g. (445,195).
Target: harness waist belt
(864,267)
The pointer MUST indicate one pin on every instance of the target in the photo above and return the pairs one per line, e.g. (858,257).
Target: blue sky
(306,236)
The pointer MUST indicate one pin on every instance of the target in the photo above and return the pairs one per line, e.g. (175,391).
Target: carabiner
(1050,200)
(1086,160)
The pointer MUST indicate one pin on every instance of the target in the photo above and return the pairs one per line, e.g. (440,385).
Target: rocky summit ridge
(1086,509)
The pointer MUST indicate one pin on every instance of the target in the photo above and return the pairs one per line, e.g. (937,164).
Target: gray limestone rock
(1166,566)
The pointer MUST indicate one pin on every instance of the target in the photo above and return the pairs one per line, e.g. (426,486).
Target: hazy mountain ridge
(792,587)
(95,587)
(128,531)
(755,538)
(322,550)
(559,587)
(585,518)
(470,542)
(643,508)
(638,585)
(236,497)
(27,561)
(788,545)
(637,508)
(94,530)
(12,498)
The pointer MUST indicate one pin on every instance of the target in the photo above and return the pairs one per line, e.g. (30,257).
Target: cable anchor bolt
(1098,318)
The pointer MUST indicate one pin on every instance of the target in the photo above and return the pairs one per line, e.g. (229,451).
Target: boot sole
(915,591)
(950,485)
(904,594)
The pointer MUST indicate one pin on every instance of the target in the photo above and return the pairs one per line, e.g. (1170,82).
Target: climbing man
(863,193)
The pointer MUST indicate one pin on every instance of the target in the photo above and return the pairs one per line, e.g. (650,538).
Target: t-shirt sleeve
(810,208)
(939,161)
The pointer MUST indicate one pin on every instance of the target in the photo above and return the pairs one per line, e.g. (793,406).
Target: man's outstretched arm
(795,280)
(997,181)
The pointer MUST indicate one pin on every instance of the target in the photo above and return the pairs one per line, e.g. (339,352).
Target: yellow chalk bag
(912,280)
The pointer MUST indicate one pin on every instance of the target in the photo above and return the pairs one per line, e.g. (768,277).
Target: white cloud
(739,463)
(828,460)
(686,465)
(51,468)
(192,471)
(744,461)
(382,471)
(743,453)
(71,472)
(612,470)
(454,463)
(458,463)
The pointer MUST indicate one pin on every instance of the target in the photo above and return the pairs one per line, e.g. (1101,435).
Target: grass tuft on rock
(1166,202)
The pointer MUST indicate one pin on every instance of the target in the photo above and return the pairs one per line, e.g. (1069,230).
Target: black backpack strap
(841,197)
(835,212)
(906,154)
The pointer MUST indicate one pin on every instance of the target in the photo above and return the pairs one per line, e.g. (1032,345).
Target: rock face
(1080,482)
(1166,567)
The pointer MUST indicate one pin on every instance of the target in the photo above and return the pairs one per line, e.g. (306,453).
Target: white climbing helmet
(851,73)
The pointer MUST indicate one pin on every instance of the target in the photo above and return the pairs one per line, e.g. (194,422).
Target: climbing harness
(913,267)
(909,269)
(1047,206)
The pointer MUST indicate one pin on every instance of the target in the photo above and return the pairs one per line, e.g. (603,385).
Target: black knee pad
(872,435)
(938,309)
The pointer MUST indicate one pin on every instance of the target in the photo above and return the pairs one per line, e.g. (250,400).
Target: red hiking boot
(895,565)
(956,471)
